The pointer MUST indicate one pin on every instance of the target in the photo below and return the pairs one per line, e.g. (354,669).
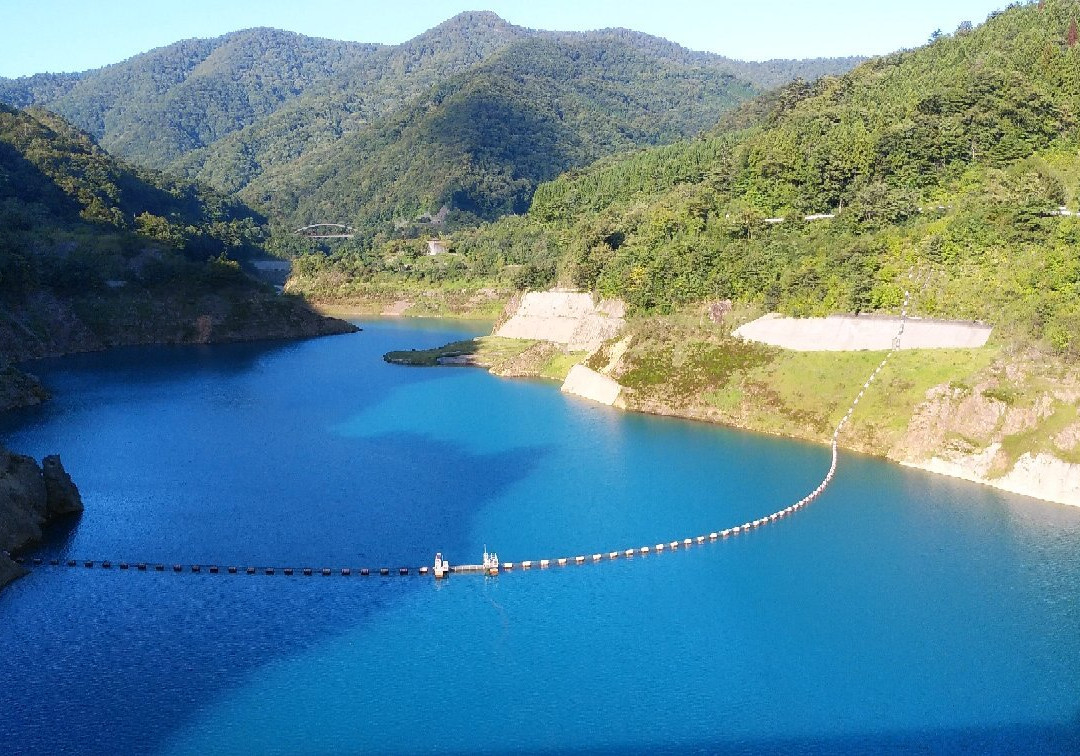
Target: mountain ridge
(230,109)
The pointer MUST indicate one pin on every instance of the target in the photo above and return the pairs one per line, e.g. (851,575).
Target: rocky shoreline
(43,325)
(31,496)
(19,389)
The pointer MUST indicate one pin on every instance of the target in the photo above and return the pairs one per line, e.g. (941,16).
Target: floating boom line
(526,564)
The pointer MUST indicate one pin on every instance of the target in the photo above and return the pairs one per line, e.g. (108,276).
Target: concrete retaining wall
(584,382)
(567,318)
(843,333)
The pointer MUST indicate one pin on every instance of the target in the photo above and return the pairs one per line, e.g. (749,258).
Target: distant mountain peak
(469,23)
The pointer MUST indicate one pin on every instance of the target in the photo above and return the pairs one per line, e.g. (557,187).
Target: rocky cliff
(30,496)
(19,389)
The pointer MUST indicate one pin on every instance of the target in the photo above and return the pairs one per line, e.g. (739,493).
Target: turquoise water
(901,612)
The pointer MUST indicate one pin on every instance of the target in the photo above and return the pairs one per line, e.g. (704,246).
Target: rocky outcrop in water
(19,389)
(30,496)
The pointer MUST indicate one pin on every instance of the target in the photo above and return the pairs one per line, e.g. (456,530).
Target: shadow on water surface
(127,646)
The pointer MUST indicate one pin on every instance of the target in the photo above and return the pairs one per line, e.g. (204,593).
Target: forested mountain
(94,252)
(276,109)
(56,178)
(480,142)
(157,106)
(949,161)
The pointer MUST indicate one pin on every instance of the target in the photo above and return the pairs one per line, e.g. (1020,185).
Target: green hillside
(274,114)
(480,142)
(94,252)
(160,105)
(948,160)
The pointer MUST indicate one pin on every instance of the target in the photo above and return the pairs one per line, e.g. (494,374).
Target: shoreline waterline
(934,465)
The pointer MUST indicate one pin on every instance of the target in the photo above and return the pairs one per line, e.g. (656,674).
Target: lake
(900,612)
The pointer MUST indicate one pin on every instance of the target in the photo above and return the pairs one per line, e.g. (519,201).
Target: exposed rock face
(29,497)
(963,431)
(44,325)
(1043,476)
(19,389)
(61,495)
(9,570)
(22,500)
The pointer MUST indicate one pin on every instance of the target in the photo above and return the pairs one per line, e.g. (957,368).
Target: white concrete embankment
(842,333)
(567,318)
(589,384)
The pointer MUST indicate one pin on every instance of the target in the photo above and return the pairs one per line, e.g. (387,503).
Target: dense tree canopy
(275,115)
(71,216)
(950,161)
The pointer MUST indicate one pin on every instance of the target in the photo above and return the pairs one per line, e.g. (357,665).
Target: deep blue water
(901,612)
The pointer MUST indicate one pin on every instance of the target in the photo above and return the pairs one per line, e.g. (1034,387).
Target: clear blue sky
(73,35)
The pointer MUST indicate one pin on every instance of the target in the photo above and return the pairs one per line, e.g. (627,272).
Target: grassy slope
(925,403)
